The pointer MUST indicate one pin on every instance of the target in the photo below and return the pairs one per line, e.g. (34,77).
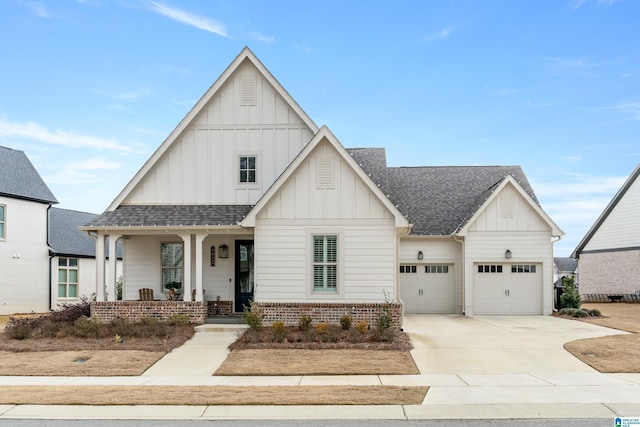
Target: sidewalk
(461,396)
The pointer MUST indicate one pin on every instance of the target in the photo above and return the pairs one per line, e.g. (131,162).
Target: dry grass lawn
(318,362)
(615,353)
(213,395)
(78,363)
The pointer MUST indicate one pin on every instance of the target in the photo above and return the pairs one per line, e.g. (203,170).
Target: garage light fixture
(420,255)
(507,254)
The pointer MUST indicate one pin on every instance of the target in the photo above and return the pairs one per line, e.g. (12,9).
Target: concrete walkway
(476,367)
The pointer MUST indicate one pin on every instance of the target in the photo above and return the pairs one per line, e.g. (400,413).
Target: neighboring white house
(609,254)
(24,253)
(45,259)
(72,257)
(249,199)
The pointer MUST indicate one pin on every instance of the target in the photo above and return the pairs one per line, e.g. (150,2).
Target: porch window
(67,277)
(247,169)
(325,263)
(172,265)
(2,222)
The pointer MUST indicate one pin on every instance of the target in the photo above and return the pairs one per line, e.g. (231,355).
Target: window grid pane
(325,269)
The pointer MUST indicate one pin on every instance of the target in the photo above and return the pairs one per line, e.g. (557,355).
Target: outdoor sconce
(507,254)
(420,255)
(223,251)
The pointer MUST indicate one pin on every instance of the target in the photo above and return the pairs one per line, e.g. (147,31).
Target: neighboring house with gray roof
(45,258)
(248,199)
(73,256)
(609,253)
(24,254)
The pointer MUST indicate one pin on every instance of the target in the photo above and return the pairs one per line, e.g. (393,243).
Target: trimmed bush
(304,324)
(571,297)
(594,312)
(279,332)
(345,322)
(253,316)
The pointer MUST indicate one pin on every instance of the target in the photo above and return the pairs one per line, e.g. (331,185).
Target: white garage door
(427,288)
(507,289)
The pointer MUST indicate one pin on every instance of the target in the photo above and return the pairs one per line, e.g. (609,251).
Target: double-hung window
(172,265)
(325,263)
(247,169)
(67,277)
(2,222)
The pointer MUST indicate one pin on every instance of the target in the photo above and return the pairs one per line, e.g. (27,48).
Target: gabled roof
(245,55)
(324,134)
(19,179)
(439,200)
(603,216)
(170,216)
(66,239)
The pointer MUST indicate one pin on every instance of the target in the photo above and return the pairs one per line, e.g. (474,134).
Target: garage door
(511,289)
(427,288)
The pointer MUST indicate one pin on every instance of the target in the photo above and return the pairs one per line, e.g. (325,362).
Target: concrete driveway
(497,345)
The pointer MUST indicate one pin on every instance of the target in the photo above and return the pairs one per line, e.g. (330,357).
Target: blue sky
(90,88)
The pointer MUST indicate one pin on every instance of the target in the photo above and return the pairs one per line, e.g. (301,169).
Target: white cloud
(39,133)
(123,96)
(442,34)
(580,186)
(261,38)
(576,4)
(39,9)
(191,19)
(630,108)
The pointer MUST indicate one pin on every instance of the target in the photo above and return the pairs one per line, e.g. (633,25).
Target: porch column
(113,263)
(186,262)
(199,240)
(100,267)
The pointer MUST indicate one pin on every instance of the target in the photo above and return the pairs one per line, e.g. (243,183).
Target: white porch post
(199,240)
(113,263)
(100,267)
(186,286)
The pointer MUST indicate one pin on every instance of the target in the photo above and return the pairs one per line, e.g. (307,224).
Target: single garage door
(427,288)
(510,289)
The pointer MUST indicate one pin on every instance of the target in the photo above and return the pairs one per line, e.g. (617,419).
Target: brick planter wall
(291,312)
(105,311)
(220,308)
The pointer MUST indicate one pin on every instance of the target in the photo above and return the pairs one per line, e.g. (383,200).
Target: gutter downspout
(396,276)
(464,273)
(51,255)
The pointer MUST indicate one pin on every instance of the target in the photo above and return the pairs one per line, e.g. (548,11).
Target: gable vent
(326,173)
(508,207)
(248,89)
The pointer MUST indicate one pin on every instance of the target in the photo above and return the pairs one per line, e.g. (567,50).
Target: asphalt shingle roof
(437,200)
(171,215)
(18,178)
(65,238)
(565,264)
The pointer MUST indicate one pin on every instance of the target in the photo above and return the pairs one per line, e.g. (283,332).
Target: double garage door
(511,289)
(427,288)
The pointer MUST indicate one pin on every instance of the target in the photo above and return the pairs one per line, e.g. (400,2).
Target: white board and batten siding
(509,223)
(621,228)
(325,196)
(247,117)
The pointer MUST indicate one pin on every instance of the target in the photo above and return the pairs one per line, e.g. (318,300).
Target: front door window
(244,274)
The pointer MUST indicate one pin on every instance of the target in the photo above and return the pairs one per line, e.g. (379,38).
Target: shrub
(253,316)
(384,322)
(594,312)
(581,313)
(49,329)
(70,312)
(279,332)
(19,328)
(345,322)
(571,297)
(304,323)
(178,319)
(575,312)
(362,327)
(322,327)
(149,327)
(119,288)
(85,328)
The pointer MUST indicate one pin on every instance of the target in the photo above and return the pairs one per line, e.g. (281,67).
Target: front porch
(198,311)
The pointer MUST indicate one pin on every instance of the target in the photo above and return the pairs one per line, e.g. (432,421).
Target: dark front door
(244,273)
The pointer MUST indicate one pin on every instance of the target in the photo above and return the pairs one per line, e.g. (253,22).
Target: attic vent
(248,88)
(326,174)
(507,207)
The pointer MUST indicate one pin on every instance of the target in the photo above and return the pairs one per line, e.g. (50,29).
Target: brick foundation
(220,308)
(105,311)
(291,312)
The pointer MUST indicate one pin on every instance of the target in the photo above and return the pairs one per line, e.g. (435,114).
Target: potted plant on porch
(172,286)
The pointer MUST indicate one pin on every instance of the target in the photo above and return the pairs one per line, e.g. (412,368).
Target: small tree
(570,298)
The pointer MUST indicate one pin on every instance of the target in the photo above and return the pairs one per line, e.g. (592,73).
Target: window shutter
(326,173)
(248,89)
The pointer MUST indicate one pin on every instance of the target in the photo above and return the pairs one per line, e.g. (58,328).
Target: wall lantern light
(420,255)
(223,251)
(507,254)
